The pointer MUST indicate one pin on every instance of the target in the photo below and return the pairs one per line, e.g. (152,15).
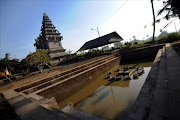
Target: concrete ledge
(141,107)
(159,106)
(173,70)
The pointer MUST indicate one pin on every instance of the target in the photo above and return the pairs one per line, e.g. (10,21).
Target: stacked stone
(51,39)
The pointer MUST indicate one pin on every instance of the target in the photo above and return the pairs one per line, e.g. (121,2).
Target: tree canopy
(37,42)
(171,9)
(40,58)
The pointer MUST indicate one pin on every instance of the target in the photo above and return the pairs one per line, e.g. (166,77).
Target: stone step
(19,89)
(159,105)
(80,114)
(28,109)
(45,84)
(59,89)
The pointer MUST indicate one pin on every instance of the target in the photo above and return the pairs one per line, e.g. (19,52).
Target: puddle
(109,99)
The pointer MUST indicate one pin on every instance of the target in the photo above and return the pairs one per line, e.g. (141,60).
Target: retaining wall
(69,87)
(147,53)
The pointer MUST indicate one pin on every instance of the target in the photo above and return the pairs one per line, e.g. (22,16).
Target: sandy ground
(44,74)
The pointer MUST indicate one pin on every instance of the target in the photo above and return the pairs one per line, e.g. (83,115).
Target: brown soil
(36,75)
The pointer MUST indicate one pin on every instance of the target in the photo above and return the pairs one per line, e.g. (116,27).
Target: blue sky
(21,21)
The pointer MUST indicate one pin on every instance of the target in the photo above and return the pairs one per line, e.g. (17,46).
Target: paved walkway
(164,101)
(159,106)
(141,107)
(173,70)
(166,98)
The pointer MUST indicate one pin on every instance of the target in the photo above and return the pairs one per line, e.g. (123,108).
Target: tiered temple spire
(51,39)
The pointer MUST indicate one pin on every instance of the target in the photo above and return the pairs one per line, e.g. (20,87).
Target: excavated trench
(66,83)
(109,99)
(86,87)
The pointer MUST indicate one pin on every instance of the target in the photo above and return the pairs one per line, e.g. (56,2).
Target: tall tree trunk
(154,26)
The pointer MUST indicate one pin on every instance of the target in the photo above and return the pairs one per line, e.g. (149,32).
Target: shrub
(112,48)
(172,37)
(169,38)
(128,44)
(150,42)
(135,43)
(162,39)
(40,58)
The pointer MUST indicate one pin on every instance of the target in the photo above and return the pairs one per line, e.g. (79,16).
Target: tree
(154,25)
(38,42)
(6,58)
(128,44)
(135,43)
(69,51)
(171,8)
(16,59)
(40,58)
(134,37)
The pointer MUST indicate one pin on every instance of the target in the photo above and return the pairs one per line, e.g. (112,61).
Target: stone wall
(147,53)
(71,86)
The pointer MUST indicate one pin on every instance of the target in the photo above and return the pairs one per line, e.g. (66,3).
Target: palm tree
(172,9)
(154,27)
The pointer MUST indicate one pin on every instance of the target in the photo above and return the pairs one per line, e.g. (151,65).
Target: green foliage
(140,44)
(149,42)
(40,58)
(6,58)
(81,49)
(169,38)
(25,64)
(173,37)
(128,44)
(16,59)
(37,42)
(171,9)
(176,46)
(69,51)
(135,43)
(162,39)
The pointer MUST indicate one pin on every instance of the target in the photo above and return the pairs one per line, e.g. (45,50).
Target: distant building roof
(103,40)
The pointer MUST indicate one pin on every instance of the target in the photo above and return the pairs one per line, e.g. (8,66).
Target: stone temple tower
(51,39)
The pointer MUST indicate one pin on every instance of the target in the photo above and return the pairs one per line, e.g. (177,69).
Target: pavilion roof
(101,41)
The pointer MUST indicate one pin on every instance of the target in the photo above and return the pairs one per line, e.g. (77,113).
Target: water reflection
(110,99)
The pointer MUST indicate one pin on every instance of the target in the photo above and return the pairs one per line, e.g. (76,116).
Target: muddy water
(109,99)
